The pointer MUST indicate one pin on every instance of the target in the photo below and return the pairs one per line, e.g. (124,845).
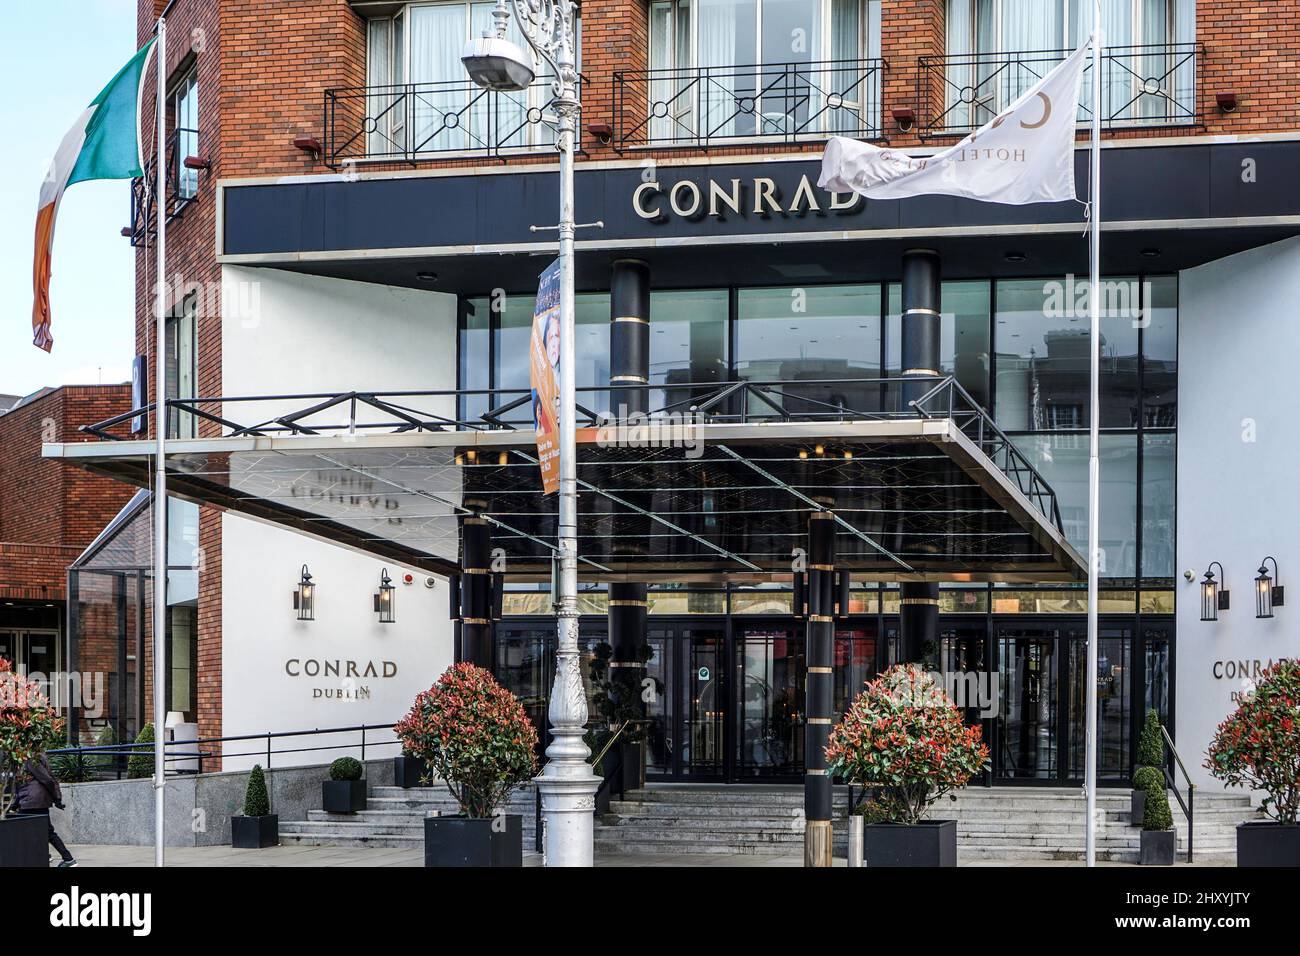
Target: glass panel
(1158,485)
(515,323)
(809,334)
(791,32)
(1042,354)
(661,741)
(183,679)
(687,602)
(1114,706)
(185,115)
(475,358)
(963,332)
(1061,602)
(688,344)
(762,602)
(1160,353)
(964,664)
(523,667)
(1027,665)
(770,682)
(705,702)
(1158,672)
(1063,462)
(855,664)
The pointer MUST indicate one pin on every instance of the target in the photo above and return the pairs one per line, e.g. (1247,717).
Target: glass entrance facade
(728,688)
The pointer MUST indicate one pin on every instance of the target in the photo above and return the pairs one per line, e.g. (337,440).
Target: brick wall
(50,511)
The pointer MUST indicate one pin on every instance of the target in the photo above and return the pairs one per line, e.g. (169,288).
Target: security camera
(430,581)
(1190,575)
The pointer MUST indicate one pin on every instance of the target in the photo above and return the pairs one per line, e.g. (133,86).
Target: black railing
(109,762)
(812,400)
(182,186)
(1188,805)
(1153,85)
(714,105)
(412,121)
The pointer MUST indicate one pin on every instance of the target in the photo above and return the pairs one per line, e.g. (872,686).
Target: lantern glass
(1209,598)
(385,599)
(304,597)
(1263,594)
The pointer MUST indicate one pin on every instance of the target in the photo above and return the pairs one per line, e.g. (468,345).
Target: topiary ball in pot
(346,768)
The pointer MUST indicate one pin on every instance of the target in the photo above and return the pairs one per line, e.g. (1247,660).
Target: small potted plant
(1258,747)
(139,766)
(904,738)
(27,725)
(409,771)
(1150,756)
(474,735)
(1158,837)
(258,827)
(344,791)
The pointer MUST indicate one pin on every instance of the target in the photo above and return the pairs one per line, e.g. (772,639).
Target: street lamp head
(497,64)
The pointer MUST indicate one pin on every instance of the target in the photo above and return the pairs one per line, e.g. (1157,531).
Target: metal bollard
(855,839)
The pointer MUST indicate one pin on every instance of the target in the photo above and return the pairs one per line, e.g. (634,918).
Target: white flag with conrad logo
(1024,154)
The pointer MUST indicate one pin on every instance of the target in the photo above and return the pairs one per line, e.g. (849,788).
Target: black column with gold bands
(629,336)
(476,591)
(920,345)
(819,688)
(919,614)
(629,365)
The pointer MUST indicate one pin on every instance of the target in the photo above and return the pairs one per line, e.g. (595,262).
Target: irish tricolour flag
(104,143)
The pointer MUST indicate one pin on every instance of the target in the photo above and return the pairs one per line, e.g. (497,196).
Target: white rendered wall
(299,334)
(1238,462)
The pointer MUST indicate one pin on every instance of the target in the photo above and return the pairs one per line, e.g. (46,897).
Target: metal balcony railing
(412,121)
(1154,85)
(776,102)
(182,185)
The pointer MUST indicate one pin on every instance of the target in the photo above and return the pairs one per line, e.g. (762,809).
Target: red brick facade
(50,511)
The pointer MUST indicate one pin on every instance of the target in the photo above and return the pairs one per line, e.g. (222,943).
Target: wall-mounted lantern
(385,599)
(1268,594)
(1214,598)
(304,597)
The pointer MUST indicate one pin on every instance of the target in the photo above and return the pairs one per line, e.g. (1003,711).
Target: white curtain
(663,87)
(851,83)
(379,73)
(438,35)
(1027,26)
(959,72)
(1184,78)
(722,30)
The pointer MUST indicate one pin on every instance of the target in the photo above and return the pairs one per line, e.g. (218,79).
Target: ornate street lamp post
(567,784)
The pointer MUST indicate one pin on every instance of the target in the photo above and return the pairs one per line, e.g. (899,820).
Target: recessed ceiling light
(1016,257)
(1151,253)
(427,276)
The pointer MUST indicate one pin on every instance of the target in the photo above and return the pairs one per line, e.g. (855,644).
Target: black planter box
(633,767)
(1266,843)
(1158,847)
(255,833)
(460,841)
(408,772)
(1137,807)
(24,841)
(343,796)
(928,843)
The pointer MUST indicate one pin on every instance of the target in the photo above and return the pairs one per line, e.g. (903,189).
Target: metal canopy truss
(935,493)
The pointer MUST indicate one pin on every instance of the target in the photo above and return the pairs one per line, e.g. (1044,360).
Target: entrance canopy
(933,493)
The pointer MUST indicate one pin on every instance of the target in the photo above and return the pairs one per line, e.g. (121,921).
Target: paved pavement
(222,856)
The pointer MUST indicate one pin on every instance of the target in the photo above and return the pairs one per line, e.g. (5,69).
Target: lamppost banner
(544,376)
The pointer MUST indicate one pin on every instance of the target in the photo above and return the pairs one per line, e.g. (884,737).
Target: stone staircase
(1008,824)
(394,818)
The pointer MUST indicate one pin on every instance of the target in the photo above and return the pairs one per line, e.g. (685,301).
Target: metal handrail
(1187,807)
(170,753)
(709,402)
(703,106)
(144,195)
(970,89)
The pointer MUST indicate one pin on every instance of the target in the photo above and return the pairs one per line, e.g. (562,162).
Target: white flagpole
(160,472)
(1094,461)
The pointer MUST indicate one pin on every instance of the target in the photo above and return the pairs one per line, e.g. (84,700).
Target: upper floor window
(743,68)
(183,365)
(996,49)
(419,99)
(184,102)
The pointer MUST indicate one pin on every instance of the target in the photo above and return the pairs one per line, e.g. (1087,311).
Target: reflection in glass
(1160,354)
(660,738)
(809,334)
(770,686)
(964,335)
(688,344)
(1028,693)
(705,703)
(1063,462)
(1042,354)
(475,358)
(1114,707)
(1158,483)
(855,664)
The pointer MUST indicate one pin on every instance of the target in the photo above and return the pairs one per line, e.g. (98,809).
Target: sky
(55,56)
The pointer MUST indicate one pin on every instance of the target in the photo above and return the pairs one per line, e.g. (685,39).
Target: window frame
(184,92)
